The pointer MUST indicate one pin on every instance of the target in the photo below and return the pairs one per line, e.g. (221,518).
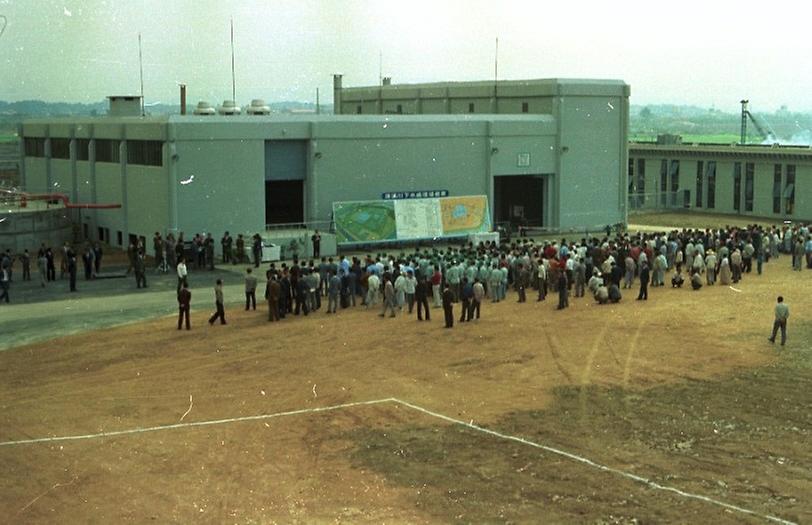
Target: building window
(632,185)
(60,148)
(82,149)
(663,182)
(700,179)
(710,175)
(777,176)
(674,181)
(737,186)
(145,152)
(470,107)
(525,107)
(120,238)
(358,109)
(789,190)
(101,234)
(399,109)
(34,146)
(107,150)
(749,175)
(641,175)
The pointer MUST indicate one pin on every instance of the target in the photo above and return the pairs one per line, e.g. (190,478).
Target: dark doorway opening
(284,201)
(519,199)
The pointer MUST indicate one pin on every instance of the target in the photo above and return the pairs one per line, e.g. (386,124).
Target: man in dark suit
(71,255)
(184,304)
(644,278)
(316,240)
(273,291)
(466,295)
(421,295)
(448,306)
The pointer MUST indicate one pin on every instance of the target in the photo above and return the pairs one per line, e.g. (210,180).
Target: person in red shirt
(436,286)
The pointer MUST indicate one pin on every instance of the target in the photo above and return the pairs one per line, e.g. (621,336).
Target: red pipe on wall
(24,197)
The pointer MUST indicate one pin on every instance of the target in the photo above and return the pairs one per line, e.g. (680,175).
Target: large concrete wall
(36,174)
(147,201)
(592,185)
(109,191)
(362,169)
(219,184)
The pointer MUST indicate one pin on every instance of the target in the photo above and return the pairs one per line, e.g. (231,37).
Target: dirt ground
(683,389)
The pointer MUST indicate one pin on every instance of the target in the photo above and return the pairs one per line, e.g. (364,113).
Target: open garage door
(285,171)
(519,199)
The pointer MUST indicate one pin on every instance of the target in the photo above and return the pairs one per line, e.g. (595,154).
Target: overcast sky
(707,53)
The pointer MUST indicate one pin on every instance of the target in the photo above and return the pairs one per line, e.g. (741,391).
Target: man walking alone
(781,316)
(218,304)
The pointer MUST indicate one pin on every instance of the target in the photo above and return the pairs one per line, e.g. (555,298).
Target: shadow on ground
(743,440)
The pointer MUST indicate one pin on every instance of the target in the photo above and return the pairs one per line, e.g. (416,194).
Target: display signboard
(410,219)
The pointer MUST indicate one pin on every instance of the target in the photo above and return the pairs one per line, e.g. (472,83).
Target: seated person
(602,294)
(677,280)
(614,293)
(696,281)
(595,281)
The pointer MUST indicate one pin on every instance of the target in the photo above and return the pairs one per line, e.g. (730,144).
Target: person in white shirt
(400,291)
(408,288)
(182,273)
(373,283)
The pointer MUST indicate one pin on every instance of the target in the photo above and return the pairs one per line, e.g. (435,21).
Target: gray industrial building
(558,161)
(754,180)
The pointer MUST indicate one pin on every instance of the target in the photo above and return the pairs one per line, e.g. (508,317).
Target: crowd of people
(463,277)
(470,275)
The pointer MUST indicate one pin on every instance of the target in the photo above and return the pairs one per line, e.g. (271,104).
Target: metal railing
(663,200)
(324,226)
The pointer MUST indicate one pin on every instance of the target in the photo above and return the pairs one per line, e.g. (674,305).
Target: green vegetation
(688,138)
(7,137)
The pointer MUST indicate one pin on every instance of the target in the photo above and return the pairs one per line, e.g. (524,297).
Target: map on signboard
(418,219)
(364,221)
(463,215)
(358,222)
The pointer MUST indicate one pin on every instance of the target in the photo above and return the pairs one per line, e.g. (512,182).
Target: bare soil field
(683,391)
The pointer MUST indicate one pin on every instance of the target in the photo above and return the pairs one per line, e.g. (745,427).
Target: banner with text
(410,219)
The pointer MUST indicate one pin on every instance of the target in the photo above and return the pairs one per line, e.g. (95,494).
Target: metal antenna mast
(141,69)
(495,75)
(233,78)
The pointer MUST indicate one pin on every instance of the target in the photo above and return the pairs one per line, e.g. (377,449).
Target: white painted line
(568,455)
(194,423)
(593,464)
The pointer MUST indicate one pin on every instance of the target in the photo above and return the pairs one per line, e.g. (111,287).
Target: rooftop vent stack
(229,107)
(183,99)
(387,81)
(337,94)
(258,107)
(204,108)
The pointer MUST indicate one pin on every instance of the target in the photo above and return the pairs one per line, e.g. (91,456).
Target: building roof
(506,88)
(754,151)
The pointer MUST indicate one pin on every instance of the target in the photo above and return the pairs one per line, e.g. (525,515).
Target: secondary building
(561,166)
(758,181)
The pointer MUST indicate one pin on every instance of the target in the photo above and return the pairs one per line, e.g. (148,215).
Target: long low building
(753,180)
(561,167)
